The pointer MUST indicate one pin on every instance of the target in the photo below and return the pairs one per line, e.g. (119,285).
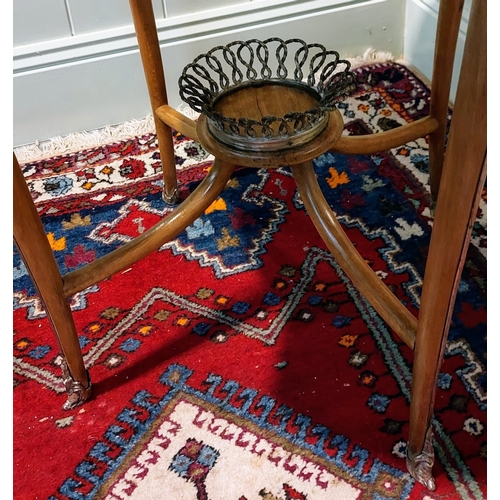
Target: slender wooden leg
(147,37)
(450,15)
(34,247)
(462,181)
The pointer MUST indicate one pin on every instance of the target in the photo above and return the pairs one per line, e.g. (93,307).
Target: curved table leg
(346,254)
(152,239)
(35,250)
(55,289)
(462,180)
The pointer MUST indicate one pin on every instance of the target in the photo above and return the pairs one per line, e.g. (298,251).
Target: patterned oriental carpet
(238,362)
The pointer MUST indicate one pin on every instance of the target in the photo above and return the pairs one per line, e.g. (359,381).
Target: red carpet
(238,362)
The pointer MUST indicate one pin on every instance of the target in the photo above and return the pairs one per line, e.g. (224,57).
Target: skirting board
(88,82)
(77,141)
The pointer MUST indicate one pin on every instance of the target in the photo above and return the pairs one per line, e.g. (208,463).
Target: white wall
(77,67)
(420,35)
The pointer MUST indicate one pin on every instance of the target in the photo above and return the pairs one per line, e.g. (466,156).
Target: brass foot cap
(420,465)
(171,198)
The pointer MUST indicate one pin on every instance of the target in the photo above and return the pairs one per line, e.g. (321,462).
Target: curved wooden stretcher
(456,180)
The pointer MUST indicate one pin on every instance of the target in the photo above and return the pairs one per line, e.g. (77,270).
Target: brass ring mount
(272,158)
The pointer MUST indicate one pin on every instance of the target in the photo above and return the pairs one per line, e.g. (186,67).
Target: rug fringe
(60,145)
(371,56)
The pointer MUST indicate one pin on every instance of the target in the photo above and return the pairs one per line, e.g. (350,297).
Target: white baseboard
(91,81)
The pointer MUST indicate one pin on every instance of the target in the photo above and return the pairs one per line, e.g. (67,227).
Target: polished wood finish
(35,250)
(450,15)
(459,187)
(383,141)
(149,48)
(178,121)
(152,239)
(257,101)
(360,273)
(461,184)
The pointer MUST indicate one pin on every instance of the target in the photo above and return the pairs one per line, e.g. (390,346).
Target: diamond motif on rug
(185,444)
(230,236)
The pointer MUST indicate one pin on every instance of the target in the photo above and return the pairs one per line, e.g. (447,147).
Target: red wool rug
(238,362)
